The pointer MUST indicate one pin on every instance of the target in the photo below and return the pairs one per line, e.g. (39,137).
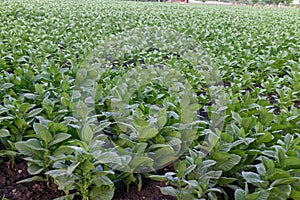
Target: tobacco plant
(255,153)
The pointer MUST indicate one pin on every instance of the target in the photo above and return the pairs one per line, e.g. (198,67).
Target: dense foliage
(256,155)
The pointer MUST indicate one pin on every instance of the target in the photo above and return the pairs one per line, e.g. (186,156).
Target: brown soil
(27,191)
(150,191)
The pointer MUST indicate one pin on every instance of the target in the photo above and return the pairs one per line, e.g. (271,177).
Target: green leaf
(230,163)
(42,132)
(266,137)
(72,167)
(34,169)
(8,153)
(31,147)
(227,137)
(281,192)
(101,193)
(57,127)
(185,101)
(266,117)
(220,156)
(280,155)
(223,181)
(103,180)
(291,162)
(236,117)
(139,148)
(295,194)
(60,137)
(161,118)
(87,134)
(4,133)
(141,161)
(269,167)
(31,179)
(239,194)
(34,112)
(146,133)
(86,166)
(278,174)
(24,107)
(6,86)
(283,181)
(253,178)
(140,123)
(248,122)
(39,88)
(180,167)
(164,156)
(109,158)
(57,172)
(158,178)
(169,191)
(189,170)
(261,195)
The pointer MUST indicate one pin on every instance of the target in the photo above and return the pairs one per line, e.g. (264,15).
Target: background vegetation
(257,50)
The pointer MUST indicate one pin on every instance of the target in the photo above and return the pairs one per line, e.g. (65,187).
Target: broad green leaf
(101,193)
(295,194)
(291,162)
(6,86)
(278,174)
(236,117)
(57,127)
(140,123)
(169,191)
(248,122)
(60,137)
(266,137)
(189,170)
(86,166)
(42,132)
(72,167)
(34,112)
(24,107)
(239,194)
(254,179)
(230,163)
(87,133)
(4,133)
(147,133)
(161,118)
(283,181)
(266,117)
(31,147)
(141,161)
(57,172)
(261,195)
(226,180)
(109,158)
(34,169)
(281,192)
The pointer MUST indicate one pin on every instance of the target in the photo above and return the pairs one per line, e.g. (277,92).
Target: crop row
(225,100)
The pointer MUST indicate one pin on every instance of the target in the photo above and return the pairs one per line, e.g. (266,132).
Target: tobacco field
(215,117)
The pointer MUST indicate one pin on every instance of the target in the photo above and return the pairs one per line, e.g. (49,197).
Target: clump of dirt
(10,175)
(150,191)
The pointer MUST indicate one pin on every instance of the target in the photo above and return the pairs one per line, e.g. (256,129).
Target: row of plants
(242,143)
